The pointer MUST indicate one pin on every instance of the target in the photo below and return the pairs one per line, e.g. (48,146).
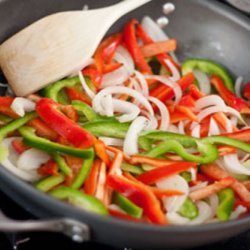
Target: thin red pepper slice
(100,150)
(75,95)
(228,96)
(241,135)
(187,101)
(157,174)
(105,52)
(140,195)
(48,111)
(195,92)
(5,103)
(246,91)
(94,75)
(164,93)
(50,168)
(162,57)
(130,39)
(19,146)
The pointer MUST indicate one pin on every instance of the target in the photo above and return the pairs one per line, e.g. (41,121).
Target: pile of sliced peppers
(174,171)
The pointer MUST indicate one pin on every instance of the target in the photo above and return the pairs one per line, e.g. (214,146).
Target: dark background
(34,241)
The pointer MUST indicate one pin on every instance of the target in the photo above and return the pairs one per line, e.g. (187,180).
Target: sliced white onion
(214,202)
(165,117)
(237,212)
(199,186)
(176,182)
(107,106)
(238,86)
(20,105)
(131,140)
(176,219)
(234,166)
(143,83)
(181,129)
(204,213)
(85,86)
(121,90)
(213,128)
(131,110)
(196,131)
(114,207)
(168,82)
(153,30)
(210,100)
(203,80)
(174,71)
(9,163)
(193,173)
(116,77)
(123,56)
(32,159)
(111,141)
(172,128)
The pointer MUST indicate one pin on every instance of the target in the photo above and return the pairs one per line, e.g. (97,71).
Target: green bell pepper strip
(32,140)
(209,153)
(132,169)
(90,114)
(187,176)
(50,182)
(83,173)
(107,128)
(226,202)
(189,209)
(209,67)
(62,164)
(128,206)
(16,124)
(53,90)
(5,118)
(79,199)
(222,140)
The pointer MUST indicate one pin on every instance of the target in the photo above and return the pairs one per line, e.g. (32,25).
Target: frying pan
(205,29)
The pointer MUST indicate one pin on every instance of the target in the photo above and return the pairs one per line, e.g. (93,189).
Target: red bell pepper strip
(70,112)
(164,93)
(157,174)
(94,75)
(47,109)
(50,168)
(241,135)
(100,150)
(216,173)
(187,101)
(195,92)
(106,51)
(157,48)
(19,146)
(75,95)
(130,39)
(149,160)
(228,96)
(246,91)
(187,111)
(42,129)
(90,184)
(211,189)
(5,103)
(162,57)
(140,195)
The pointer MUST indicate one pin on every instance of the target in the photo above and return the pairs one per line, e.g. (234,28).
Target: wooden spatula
(57,45)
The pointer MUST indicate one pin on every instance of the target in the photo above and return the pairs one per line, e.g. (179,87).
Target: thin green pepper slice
(16,124)
(107,128)
(52,91)
(226,201)
(228,141)
(189,209)
(209,153)
(31,139)
(83,173)
(50,182)
(90,114)
(62,164)
(209,67)
(80,200)
(128,206)
(132,169)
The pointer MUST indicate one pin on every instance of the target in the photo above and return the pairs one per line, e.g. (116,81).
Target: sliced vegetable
(189,209)
(50,182)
